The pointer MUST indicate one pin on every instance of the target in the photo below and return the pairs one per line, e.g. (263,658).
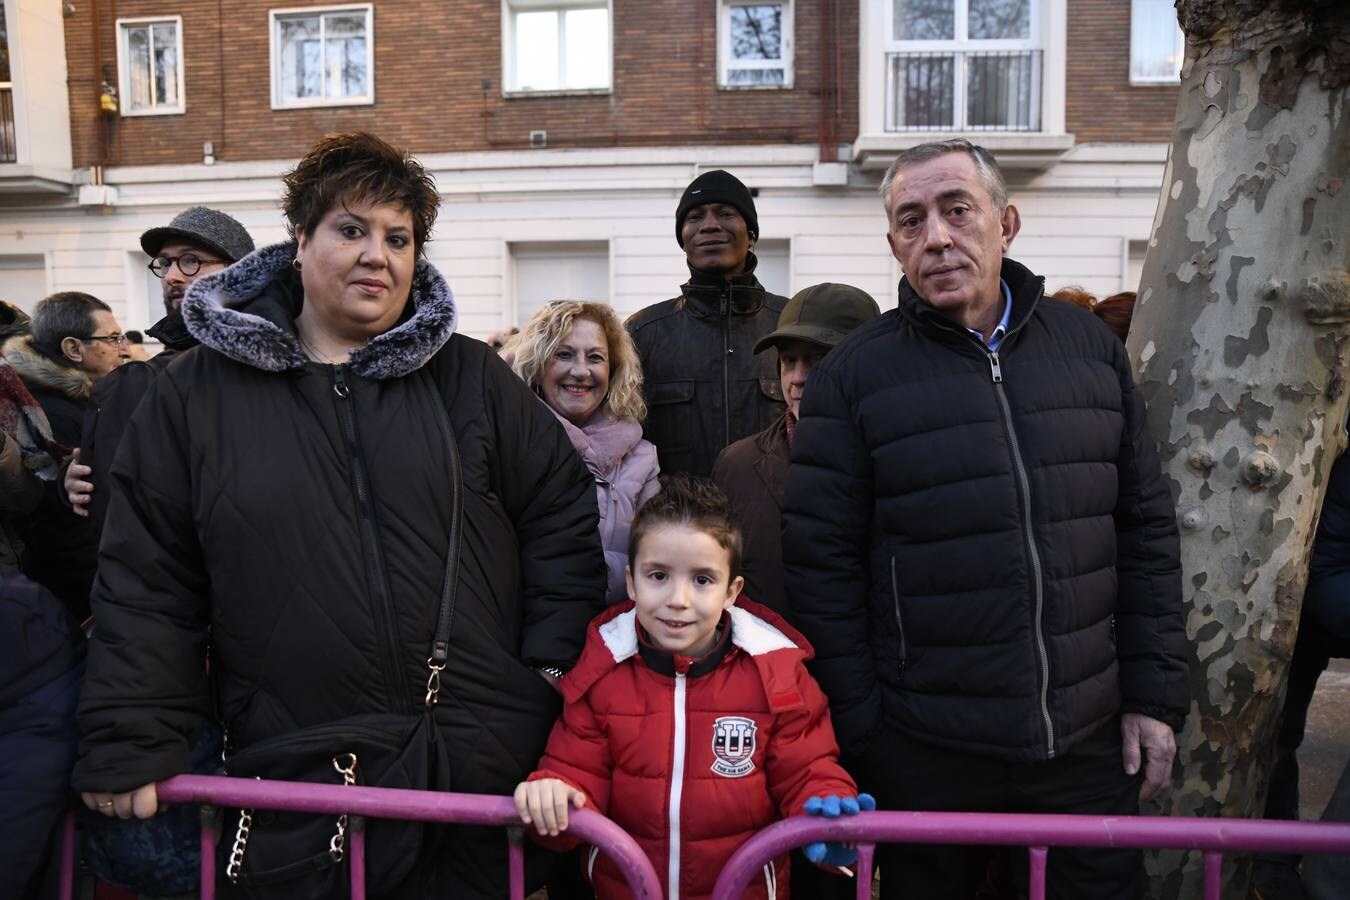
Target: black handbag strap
(440,644)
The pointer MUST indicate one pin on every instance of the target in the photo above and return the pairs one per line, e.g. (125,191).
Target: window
(1157,45)
(773,267)
(549,45)
(8,152)
(558,270)
(755,44)
(323,56)
(23,280)
(1135,252)
(963,65)
(150,66)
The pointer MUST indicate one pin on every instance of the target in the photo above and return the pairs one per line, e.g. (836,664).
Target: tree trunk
(1239,343)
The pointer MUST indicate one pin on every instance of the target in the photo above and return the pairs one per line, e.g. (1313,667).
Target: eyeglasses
(119,339)
(189,264)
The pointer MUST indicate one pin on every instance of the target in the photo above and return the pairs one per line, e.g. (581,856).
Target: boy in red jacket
(690,719)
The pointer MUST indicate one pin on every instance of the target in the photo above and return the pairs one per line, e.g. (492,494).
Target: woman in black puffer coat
(285,493)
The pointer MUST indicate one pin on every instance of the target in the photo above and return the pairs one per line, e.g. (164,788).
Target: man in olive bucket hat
(753,471)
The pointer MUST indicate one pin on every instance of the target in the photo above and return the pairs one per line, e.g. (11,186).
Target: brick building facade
(571,188)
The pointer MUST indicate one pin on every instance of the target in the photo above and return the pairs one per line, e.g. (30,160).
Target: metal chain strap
(337,845)
(236,862)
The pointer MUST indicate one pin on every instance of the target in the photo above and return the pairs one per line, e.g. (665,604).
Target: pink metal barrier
(384,803)
(1037,833)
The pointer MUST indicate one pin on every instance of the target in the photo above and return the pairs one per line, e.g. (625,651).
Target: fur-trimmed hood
(39,372)
(222,311)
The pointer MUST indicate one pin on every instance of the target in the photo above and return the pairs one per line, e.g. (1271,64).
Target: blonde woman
(582,364)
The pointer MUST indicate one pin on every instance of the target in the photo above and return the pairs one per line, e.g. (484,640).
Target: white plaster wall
(1078,218)
(37,44)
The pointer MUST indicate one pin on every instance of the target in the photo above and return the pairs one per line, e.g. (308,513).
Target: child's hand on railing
(832,854)
(544,803)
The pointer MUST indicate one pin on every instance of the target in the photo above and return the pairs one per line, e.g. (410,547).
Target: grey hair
(62,315)
(985,166)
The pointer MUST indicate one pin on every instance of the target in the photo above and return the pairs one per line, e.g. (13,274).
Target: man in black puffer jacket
(704,386)
(981,547)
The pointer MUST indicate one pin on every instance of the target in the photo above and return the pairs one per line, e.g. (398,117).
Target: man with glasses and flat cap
(198,242)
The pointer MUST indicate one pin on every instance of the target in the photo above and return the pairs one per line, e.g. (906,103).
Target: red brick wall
(431,58)
(1101,103)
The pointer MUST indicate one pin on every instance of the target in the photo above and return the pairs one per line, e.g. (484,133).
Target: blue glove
(832,807)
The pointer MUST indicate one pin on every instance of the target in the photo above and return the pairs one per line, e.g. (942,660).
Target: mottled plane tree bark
(1241,345)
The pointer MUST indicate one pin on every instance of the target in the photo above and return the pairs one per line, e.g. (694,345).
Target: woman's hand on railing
(141,803)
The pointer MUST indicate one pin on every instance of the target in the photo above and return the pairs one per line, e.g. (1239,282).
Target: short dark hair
(62,315)
(985,166)
(358,167)
(695,503)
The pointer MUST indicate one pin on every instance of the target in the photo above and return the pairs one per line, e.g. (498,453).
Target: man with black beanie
(704,386)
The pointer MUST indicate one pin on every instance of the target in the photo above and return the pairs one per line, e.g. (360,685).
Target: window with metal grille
(963,65)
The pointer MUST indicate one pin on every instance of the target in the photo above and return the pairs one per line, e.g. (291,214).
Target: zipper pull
(340,383)
(995,369)
(726,303)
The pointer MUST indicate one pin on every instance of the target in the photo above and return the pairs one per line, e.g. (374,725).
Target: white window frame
(124,63)
(961,23)
(510,83)
(726,65)
(1179,47)
(274,17)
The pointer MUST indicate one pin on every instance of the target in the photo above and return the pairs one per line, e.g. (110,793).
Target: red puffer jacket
(692,757)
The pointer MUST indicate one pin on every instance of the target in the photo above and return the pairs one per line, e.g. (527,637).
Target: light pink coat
(625,471)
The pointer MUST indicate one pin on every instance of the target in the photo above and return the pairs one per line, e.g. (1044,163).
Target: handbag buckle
(433,682)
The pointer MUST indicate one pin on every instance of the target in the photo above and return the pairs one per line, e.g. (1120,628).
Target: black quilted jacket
(705,387)
(981,546)
(235,521)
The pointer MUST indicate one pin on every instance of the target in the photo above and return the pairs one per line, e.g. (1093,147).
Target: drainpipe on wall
(829,150)
(828,170)
(97,56)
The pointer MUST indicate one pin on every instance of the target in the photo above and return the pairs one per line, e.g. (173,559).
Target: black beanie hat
(717,186)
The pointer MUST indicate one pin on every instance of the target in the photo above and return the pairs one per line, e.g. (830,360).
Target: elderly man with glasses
(75,342)
(198,242)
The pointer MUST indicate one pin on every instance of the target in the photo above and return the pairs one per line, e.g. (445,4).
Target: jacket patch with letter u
(733,746)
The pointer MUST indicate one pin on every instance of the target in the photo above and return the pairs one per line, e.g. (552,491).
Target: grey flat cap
(209,229)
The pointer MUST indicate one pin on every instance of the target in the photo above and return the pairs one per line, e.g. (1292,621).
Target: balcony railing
(8,152)
(963,90)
